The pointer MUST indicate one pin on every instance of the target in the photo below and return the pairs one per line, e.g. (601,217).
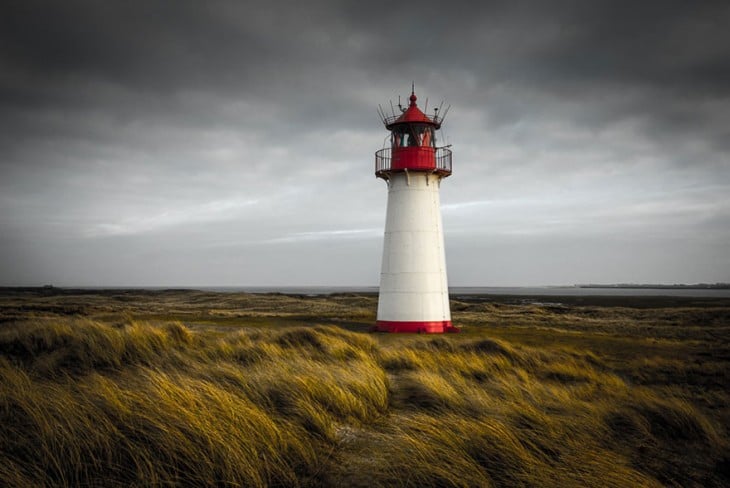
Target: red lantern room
(413,143)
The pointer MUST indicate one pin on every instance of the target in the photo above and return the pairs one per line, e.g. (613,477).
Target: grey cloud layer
(126,127)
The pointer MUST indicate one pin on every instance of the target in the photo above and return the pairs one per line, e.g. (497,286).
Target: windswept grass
(522,416)
(128,399)
(84,403)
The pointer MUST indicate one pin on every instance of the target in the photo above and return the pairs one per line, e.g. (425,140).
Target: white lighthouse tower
(414,294)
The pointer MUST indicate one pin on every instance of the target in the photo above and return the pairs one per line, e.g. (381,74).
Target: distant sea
(486,290)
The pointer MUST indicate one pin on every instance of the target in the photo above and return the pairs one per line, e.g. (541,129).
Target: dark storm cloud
(310,58)
(158,122)
(166,47)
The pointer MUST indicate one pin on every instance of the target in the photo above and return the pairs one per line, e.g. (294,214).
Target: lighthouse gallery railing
(383,161)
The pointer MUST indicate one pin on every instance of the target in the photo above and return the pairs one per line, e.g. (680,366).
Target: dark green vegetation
(139,388)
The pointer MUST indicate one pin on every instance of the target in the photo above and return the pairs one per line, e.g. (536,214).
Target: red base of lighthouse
(415,327)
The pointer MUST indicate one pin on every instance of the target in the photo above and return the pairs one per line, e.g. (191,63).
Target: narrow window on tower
(413,139)
(427,137)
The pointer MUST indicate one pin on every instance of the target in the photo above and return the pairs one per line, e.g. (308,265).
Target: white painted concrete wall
(413,285)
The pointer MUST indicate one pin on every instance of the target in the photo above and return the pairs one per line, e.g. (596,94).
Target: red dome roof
(411,115)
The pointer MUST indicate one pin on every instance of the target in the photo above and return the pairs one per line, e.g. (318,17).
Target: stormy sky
(231,143)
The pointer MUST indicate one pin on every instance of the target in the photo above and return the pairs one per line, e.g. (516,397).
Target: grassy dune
(190,388)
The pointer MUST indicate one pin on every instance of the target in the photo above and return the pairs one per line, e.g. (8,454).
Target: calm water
(487,290)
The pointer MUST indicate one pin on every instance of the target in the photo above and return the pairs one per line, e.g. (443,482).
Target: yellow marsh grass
(87,403)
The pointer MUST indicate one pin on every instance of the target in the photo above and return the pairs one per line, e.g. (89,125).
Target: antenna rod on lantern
(443,115)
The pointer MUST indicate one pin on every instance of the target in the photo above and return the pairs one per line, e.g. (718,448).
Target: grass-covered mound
(130,402)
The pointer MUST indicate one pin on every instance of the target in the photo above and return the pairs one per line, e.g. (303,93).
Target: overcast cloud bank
(223,143)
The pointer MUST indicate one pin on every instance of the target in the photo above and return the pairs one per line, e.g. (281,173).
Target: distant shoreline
(589,290)
(633,286)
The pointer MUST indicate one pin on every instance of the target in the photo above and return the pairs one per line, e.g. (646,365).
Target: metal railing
(383,162)
(443,159)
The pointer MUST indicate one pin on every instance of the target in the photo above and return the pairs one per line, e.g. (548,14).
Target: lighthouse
(414,293)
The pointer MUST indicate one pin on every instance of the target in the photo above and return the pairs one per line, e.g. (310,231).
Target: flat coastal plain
(198,388)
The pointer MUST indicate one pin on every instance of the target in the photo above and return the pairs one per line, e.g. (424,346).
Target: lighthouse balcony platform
(424,159)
